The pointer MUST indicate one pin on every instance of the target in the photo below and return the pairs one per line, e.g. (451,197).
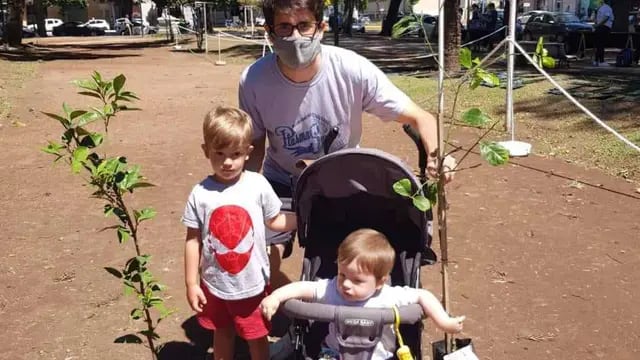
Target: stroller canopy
(353,188)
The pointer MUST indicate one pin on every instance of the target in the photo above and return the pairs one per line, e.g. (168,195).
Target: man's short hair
(270,7)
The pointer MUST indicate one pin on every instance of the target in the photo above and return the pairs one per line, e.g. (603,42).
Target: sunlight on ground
(12,77)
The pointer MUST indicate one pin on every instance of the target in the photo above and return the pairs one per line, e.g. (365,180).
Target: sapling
(113,181)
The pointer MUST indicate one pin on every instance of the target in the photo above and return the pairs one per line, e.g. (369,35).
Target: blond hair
(227,126)
(371,251)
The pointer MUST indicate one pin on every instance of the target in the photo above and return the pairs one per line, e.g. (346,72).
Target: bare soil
(543,252)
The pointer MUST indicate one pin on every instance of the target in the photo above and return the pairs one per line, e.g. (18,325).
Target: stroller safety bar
(409,314)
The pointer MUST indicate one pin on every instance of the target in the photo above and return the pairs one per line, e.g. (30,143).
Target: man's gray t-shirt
(296,117)
(234,263)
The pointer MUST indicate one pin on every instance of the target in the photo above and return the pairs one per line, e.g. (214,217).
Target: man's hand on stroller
(448,165)
(196,297)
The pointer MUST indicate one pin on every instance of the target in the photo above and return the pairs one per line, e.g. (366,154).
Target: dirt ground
(543,252)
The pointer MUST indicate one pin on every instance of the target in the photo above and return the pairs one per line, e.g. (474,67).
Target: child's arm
(303,290)
(284,221)
(195,295)
(433,309)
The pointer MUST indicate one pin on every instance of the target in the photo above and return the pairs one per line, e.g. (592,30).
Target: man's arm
(427,126)
(257,155)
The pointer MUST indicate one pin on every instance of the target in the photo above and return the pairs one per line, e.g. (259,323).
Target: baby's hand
(269,306)
(454,325)
(196,297)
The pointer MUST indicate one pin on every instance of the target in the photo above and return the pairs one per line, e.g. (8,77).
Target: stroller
(335,195)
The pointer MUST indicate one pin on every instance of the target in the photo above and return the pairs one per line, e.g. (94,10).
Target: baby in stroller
(365,260)
(345,201)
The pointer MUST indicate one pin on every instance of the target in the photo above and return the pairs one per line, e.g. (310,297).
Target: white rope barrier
(484,37)
(573,100)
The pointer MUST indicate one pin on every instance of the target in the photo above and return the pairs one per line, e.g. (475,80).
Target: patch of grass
(13,75)
(554,125)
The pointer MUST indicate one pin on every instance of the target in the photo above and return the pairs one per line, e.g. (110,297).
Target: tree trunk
(335,27)
(452,33)
(14,23)
(348,17)
(390,19)
(621,14)
(40,16)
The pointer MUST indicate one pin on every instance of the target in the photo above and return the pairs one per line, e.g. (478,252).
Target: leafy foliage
(541,56)
(492,152)
(112,179)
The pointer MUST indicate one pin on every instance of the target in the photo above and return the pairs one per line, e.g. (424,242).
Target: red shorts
(245,315)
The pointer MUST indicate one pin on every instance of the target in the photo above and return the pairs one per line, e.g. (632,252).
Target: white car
(98,23)
(49,24)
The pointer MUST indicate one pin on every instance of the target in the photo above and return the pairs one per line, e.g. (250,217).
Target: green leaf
(149,333)
(465,58)
(402,187)
(90,93)
(114,272)
(494,153)
(53,148)
(118,83)
(141,184)
(92,140)
(548,62)
(144,214)
(78,158)
(108,210)
(97,77)
(65,122)
(475,81)
(406,24)
(432,192)
(128,339)
(475,117)
(75,113)
(123,234)
(87,118)
(67,109)
(136,314)
(422,203)
(129,288)
(489,78)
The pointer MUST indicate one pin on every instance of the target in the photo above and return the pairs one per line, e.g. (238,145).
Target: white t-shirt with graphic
(296,117)
(326,292)
(234,263)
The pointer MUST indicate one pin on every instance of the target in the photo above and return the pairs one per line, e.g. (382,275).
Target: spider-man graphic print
(231,237)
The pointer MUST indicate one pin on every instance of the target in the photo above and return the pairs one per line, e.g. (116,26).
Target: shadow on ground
(71,51)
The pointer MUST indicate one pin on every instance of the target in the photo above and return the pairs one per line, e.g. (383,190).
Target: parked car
(98,23)
(137,25)
(49,24)
(556,26)
(357,26)
(260,21)
(526,16)
(76,28)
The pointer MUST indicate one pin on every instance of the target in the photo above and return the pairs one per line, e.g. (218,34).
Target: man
(603,25)
(297,95)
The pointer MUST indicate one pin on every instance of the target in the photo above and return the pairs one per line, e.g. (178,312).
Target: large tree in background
(390,19)
(14,22)
(452,34)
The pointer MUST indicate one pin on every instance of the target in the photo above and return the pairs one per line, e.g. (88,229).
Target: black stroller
(337,194)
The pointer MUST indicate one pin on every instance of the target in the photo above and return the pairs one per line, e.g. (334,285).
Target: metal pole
(206,32)
(442,201)
(511,38)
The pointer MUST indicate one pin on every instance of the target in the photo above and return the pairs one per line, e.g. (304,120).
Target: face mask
(297,52)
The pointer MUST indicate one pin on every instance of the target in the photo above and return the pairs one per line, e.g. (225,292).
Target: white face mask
(297,52)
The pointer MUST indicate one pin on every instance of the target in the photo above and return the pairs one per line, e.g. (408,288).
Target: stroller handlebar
(409,314)
(422,154)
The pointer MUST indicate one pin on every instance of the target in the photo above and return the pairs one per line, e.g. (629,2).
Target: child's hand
(196,297)
(454,325)
(269,306)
